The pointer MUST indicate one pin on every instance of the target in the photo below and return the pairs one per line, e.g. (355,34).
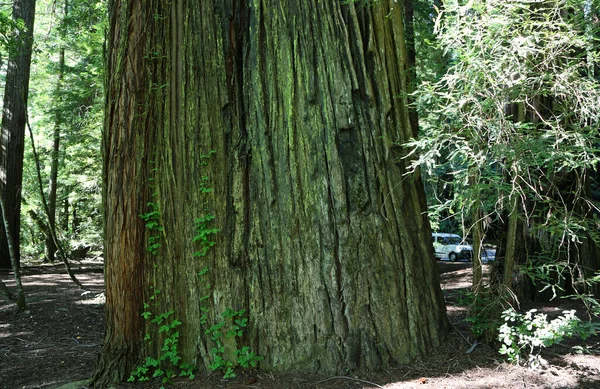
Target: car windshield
(453,240)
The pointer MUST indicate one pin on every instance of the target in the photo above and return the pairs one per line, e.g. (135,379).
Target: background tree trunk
(20,298)
(13,126)
(322,240)
(411,63)
(478,236)
(50,249)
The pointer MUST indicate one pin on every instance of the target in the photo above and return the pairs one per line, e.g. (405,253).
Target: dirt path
(58,340)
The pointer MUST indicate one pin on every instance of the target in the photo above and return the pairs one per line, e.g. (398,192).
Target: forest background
(507,98)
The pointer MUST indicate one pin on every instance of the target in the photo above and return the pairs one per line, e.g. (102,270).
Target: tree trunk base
(113,367)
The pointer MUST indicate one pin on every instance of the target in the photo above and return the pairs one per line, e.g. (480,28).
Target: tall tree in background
(13,124)
(281,119)
(50,249)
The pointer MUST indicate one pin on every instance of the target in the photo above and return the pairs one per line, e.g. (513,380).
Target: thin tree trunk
(13,128)
(323,241)
(7,291)
(65,215)
(411,63)
(52,187)
(50,247)
(21,305)
(51,230)
(511,236)
(590,247)
(478,237)
(513,216)
(477,252)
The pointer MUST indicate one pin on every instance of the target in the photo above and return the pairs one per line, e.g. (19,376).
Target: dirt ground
(58,339)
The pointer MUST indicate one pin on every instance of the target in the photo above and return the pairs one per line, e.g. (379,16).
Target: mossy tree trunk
(14,116)
(291,112)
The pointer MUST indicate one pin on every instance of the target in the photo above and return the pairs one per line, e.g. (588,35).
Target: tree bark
(20,299)
(411,63)
(50,249)
(478,237)
(511,241)
(13,127)
(322,239)
(64,220)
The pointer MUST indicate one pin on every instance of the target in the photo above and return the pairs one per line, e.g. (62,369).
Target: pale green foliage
(8,30)
(526,334)
(516,114)
(431,59)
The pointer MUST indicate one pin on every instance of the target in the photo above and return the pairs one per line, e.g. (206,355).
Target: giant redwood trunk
(13,125)
(291,113)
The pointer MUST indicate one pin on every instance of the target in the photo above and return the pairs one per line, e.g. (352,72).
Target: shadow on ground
(58,340)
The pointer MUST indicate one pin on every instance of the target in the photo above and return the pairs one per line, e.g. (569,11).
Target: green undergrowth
(523,336)
(520,337)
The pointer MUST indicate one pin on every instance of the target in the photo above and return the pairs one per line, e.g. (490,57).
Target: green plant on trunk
(204,232)
(152,220)
(203,238)
(232,326)
(168,364)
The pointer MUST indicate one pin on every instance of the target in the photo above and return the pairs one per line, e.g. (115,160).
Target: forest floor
(58,339)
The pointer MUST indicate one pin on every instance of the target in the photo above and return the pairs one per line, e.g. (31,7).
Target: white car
(451,247)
